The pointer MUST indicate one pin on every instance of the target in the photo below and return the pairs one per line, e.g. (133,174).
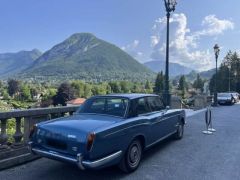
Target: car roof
(128,95)
(224,93)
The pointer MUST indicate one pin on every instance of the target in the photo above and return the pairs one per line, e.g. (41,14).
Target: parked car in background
(235,96)
(225,98)
(108,130)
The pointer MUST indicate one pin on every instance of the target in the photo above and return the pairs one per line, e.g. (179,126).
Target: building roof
(77,101)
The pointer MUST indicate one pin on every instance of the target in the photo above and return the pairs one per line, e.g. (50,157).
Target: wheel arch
(182,120)
(142,140)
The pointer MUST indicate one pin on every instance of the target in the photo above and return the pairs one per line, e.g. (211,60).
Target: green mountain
(84,56)
(174,68)
(12,63)
(193,75)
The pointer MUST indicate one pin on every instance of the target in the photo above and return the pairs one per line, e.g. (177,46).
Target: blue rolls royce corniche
(108,130)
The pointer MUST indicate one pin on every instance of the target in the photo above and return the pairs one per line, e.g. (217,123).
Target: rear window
(155,104)
(138,107)
(105,105)
(224,95)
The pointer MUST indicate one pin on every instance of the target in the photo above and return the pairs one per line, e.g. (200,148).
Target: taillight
(90,140)
(32,130)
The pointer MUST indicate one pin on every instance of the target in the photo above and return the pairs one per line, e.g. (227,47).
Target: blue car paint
(117,135)
(112,133)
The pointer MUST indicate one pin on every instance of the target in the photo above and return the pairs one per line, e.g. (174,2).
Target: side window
(138,107)
(155,103)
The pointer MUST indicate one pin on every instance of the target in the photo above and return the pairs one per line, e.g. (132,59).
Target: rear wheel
(180,130)
(132,157)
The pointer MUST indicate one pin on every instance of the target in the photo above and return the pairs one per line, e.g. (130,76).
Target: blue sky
(196,26)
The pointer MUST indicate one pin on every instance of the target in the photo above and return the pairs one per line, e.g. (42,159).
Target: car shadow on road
(61,170)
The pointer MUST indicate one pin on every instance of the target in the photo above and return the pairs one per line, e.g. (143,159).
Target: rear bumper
(78,160)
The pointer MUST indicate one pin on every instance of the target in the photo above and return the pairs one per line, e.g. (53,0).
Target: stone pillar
(18,134)
(3,135)
(30,121)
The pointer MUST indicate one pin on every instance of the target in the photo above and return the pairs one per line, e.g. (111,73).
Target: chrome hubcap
(134,155)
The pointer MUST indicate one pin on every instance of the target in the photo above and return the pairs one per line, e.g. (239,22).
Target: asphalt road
(196,156)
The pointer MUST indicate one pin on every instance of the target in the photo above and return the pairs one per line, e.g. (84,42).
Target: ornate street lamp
(170,7)
(216,51)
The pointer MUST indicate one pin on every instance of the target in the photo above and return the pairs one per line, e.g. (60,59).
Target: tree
(148,87)
(222,80)
(47,97)
(182,85)
(224,75)
(125,86)
(99,89)
(25,93)
(115,87)
(65,93)
(136,89)
(5,94)
(78,87)
(1,84)
(13,87)
(87,91)
(159,83)
(108,89)
(34,92)
(198,83)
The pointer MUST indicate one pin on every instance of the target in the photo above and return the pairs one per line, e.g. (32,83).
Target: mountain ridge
(13,63)
(84,56)
(175,69)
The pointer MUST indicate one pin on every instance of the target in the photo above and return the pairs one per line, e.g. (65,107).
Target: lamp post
(216,51)
(229,78)
(170,7)
(235,79)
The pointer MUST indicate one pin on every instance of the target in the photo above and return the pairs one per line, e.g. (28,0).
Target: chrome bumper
(82,164)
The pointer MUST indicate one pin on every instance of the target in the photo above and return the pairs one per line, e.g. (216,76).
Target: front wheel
(180,130)
(132,157)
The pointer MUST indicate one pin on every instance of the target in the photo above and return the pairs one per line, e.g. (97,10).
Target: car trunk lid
(68,135)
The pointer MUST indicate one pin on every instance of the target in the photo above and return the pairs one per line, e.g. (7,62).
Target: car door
(140,108)
(158,122)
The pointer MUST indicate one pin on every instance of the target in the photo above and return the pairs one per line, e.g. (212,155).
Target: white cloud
(132,49)
(214,26)
(184,43)
(131,46)
(154,40)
